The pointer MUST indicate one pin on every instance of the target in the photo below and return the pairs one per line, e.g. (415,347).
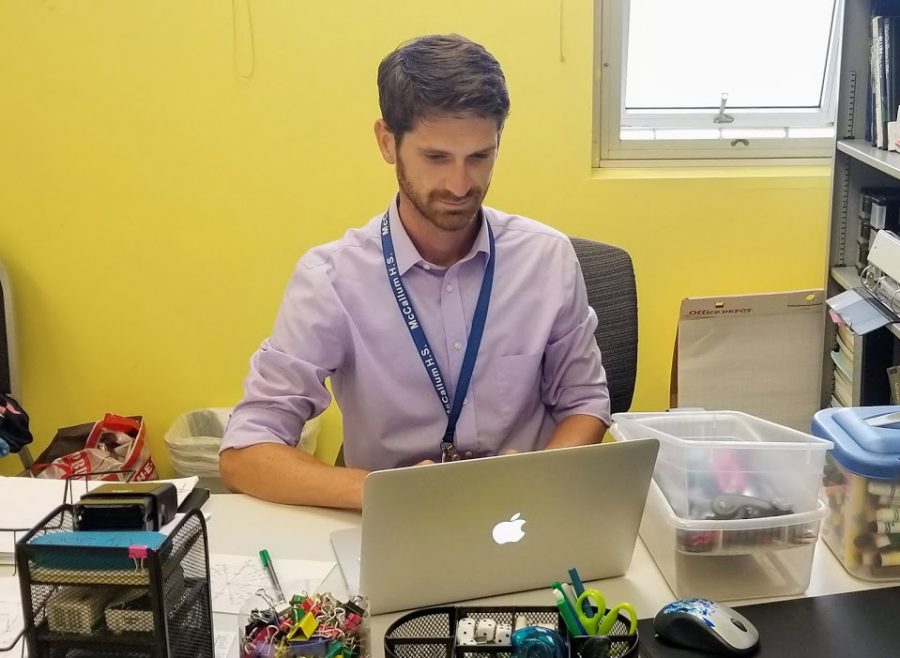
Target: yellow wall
(162,167)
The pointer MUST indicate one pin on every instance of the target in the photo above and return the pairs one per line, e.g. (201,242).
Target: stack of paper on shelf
(27,501)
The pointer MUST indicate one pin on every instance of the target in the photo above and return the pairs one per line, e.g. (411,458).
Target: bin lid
(858,446)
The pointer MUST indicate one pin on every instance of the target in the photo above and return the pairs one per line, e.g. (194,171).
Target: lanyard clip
(448,452)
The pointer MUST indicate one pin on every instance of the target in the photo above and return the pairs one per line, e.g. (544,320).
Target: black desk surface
(864,623)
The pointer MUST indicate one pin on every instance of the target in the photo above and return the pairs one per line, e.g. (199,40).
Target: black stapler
(127,506)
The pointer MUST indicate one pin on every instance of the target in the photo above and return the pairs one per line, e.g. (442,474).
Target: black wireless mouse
(707,626)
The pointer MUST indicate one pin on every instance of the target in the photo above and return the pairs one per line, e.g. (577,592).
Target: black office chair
(612,293)
(9,375)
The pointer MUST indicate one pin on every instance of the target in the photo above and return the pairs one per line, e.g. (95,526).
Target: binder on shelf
(881,277)
(885,254)
(884,72)
(879,83)
(879,208)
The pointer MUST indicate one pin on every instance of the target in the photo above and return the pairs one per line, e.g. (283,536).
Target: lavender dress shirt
(538,361)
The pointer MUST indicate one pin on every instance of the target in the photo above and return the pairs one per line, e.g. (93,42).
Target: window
(715,79)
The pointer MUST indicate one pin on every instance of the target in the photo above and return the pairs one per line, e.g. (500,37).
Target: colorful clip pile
(313,625)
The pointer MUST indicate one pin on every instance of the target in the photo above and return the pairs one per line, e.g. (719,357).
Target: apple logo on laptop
(507,532)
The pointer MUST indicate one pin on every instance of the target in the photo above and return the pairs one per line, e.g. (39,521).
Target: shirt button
(468,453)
(449,287)
(457,345)
(427,266)
(465,401)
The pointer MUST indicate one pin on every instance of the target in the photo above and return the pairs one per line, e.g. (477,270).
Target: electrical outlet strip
(885,254)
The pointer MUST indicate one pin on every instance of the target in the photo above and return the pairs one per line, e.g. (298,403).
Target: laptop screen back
(449,532)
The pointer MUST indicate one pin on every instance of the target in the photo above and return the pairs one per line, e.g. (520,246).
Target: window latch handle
(721,117)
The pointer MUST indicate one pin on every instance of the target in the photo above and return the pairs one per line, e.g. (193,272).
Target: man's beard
(428,206)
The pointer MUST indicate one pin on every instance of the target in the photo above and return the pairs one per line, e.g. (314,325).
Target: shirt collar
(406,253)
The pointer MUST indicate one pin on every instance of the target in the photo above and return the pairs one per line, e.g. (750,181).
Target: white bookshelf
(857,165)
(887,162)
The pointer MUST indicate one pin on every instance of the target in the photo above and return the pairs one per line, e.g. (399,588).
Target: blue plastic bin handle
(885,420)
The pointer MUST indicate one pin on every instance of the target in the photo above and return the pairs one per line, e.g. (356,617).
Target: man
(433,292)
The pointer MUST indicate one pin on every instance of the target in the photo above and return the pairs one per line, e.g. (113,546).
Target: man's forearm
(577,430)
(284,474)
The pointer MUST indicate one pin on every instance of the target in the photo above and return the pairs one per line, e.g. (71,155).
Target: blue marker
(579,590)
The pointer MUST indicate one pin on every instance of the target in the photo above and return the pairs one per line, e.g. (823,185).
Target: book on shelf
(843,363)
(846,335)
(879,92)
(894,380)
(845,343)
(879,208)
(843,366)
(842,357)
(883,84)
(843,389)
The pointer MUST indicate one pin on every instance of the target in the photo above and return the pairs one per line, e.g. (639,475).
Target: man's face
(444,166)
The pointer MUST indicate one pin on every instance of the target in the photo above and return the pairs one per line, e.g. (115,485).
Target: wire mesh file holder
(113,600)
(431,633)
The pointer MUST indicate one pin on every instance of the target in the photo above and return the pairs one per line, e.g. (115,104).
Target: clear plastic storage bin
(862,484)
(710,459)
(735,559)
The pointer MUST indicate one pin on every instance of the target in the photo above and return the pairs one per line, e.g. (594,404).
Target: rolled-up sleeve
(286,383)
(574,380)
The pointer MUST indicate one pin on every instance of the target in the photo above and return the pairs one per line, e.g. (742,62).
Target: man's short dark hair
(440,74)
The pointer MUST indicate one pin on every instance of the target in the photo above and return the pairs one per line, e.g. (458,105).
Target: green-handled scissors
(603,620)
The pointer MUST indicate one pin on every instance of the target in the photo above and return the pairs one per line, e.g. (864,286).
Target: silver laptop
(451,532)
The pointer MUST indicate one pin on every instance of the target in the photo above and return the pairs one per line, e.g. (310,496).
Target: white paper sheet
(223,643)
(11,619)
(235,578)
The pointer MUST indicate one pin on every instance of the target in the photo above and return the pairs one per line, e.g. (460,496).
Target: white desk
(243,525)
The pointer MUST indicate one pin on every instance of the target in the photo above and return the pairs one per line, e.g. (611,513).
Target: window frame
(609,150)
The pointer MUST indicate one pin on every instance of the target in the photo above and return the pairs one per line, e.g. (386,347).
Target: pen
(572,623)
(578,585)
(567,608)
(571,597)
(270,568)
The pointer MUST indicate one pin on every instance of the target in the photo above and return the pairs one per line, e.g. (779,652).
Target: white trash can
(194,439)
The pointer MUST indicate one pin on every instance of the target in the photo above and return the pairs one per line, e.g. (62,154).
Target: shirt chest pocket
(516,384)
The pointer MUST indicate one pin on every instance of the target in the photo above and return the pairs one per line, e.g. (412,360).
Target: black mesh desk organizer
(431,633)
(103,601)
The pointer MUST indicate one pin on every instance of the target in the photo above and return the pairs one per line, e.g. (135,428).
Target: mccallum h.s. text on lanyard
(448,450)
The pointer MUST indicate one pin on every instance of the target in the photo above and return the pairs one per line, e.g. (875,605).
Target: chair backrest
(8,374)
(609,277)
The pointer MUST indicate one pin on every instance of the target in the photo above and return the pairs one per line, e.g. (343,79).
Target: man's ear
(387,143)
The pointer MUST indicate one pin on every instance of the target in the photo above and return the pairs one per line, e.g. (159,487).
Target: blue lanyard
(448,451)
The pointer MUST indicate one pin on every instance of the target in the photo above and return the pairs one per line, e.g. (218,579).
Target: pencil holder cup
(621,643)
